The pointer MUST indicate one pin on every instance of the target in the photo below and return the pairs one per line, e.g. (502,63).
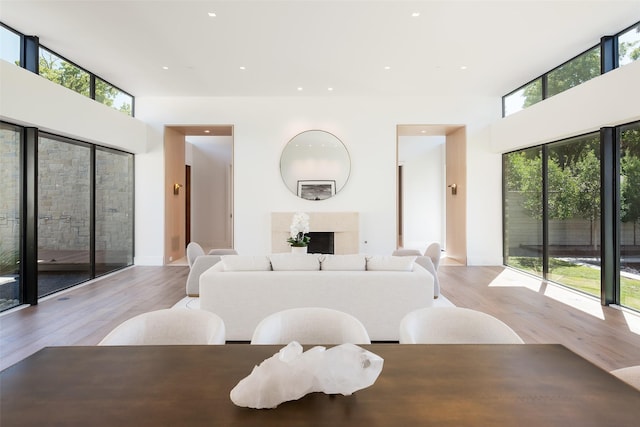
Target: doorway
(199,170)
(431,193)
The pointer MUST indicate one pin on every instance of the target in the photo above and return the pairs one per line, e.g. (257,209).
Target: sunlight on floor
(585,303)
(513,278)
(578,301)
(558,293)
(633,320)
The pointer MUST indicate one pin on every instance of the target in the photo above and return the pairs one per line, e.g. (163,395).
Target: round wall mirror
(315,165)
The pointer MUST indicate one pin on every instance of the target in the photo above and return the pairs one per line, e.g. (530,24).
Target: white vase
(298,249)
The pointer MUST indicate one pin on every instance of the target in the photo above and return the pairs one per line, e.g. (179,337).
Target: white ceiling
(317,45)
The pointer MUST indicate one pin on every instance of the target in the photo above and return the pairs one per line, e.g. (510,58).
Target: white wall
(423,169)
(367,127)
(607,100)
(210,186)
(29,100)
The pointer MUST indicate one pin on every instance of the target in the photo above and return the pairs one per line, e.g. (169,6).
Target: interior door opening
(431,196)
(199,163)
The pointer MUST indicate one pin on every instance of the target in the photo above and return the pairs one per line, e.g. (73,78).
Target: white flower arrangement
(299,229)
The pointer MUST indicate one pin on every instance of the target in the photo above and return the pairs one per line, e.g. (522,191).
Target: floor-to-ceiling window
(557,227)
(64,214)
(114,210)
(66,206)
(630,215)
(10,235)
(573,176)
(523,209)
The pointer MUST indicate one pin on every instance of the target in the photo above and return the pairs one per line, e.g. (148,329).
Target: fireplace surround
(344,226)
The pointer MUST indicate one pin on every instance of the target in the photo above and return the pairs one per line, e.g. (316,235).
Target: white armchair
(426,262)
(434,251)
(223,251)
(201,264)
(194,250)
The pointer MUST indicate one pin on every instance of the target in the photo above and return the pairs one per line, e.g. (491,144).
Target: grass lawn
(580,277)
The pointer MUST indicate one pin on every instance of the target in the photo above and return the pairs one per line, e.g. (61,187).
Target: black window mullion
(505,243)
(543,81)
(610,212)
(92,86)
(92,213)
(545,211)
(29,262)
(30,54)
(608,54)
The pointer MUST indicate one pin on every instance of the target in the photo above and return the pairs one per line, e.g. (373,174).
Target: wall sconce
(176,189)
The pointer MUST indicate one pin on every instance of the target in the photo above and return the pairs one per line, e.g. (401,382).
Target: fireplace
(344,227)
(321,242)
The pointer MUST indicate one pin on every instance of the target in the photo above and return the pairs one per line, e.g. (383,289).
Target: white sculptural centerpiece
(291,374)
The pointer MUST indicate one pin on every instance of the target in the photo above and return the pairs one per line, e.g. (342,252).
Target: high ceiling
(318,48)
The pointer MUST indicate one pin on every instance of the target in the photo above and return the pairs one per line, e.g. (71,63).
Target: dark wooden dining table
(537,385)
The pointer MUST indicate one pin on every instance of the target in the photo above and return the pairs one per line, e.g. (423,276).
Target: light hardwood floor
(538,312)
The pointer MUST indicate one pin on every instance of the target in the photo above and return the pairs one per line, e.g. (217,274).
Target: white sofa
(379,291)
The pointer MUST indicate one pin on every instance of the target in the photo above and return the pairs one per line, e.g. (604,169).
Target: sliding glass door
(523,210)
(573,176)
(10,177)
(630,216)
(64,214)
(553,213)
(114,210)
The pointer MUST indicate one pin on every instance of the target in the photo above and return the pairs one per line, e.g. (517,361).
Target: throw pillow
(295,262)
(355,262)
(245,263)
(390,263)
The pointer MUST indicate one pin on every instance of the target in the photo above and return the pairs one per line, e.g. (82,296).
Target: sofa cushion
(295,262)
(390,263)
(245,263)
(354,262)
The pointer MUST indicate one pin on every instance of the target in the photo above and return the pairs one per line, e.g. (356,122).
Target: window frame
(92,76)
(606,50)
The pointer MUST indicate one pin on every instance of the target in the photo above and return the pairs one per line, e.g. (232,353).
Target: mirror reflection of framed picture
(316,190)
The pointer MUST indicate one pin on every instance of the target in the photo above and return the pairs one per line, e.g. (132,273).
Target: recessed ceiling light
(207,131)
(165,67)
(299,88)
(387,67)
(330,89)
(212,14)
(463,67)
(242,67)
(415,14)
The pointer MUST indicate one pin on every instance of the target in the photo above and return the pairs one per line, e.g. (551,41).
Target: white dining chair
(171,326)
(454,325)
(310,325)
(630,375)
(194,250)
